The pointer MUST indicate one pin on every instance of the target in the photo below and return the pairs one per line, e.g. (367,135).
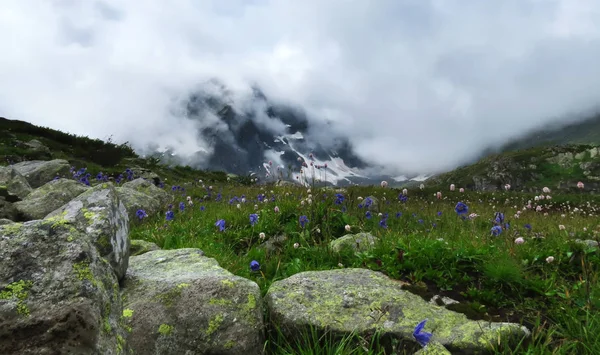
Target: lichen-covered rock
(39,172)
(8,210)
(433,348)
(4,221)
(101,214)
(49,197)
(139,247)
(57,294)
(346,300)
(181,302)
(358,242)
(12,183)
(141,194)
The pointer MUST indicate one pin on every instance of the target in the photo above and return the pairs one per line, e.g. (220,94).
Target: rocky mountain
(270,141)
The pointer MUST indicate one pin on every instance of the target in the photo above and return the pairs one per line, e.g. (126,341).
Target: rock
(139,247)
(103,217)
(57,294)
(180,302)
(8,210)
(589,243)
(141,194)
(442,300)
(13,183)
(4,221)
(358,242)
(274,243)
(361,300)
(48,197)
(433,348)
(38,146)
(39,172)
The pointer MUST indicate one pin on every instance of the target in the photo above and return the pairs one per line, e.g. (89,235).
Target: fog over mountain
(397,87)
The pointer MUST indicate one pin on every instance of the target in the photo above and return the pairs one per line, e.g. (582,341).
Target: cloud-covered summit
(417,86)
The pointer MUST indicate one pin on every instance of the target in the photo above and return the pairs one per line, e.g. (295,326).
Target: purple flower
(303,220)
(141,214)
(253,219)
(421,336)
(170,215)
(461,208)
(221,224)
(254,265)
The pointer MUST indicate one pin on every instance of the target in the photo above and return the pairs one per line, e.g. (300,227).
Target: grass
(425,244)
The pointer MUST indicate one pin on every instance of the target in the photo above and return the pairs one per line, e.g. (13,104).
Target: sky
(417,85)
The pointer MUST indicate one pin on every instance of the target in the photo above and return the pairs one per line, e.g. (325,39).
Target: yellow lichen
(18,291)
(165,329)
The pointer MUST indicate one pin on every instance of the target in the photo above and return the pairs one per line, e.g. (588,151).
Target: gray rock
(141,194)
(358,242)
(13,183)
(8,210)
(180,302)
(139,247)
(48,197)
(360,300)
(103,217)
(39,172)
(57,294)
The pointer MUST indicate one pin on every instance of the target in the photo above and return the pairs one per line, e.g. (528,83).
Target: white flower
(261,235)
(519,240)
(549,259)
(296,245)
(348,228)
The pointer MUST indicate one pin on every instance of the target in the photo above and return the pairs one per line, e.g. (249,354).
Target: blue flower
(461,208)
(202,208)
(253,219)
(221,224)
(368,214)
(181,206)
(141,214)
(499,218)
(382,222)
(339,198)
(439,213)
(402,198)
(170,215)
(254,265)
(528,226)
(398,214)
(368,202)
(360,205)
(303,220)
(421,336)
(496,230)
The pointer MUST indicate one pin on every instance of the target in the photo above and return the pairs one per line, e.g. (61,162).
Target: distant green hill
(558,167)
(583,132)
(21,141)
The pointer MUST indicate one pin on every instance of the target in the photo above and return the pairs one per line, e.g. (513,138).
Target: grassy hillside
(98,156)
(559,167)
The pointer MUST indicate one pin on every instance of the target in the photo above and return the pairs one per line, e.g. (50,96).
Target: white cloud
(417,85)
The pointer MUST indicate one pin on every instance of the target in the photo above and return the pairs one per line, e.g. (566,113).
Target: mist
(416,85)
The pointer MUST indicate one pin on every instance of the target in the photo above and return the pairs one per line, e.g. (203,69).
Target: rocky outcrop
(58,295)
(141,194)
(357,242)
(13,185)
(101,214)
(39,172)
(49,197)
(363,301)
(181,302)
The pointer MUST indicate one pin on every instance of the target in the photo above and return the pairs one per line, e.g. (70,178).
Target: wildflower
(461,208)
(262,235)
(402,198)
(546,190)
(253,219)
(254,265)
(507,187)
(461,190)
(303,220)
(499,217)
(181,206)
(561,227)
(549,259)
(238,206)
(276,209)
(420,336)
(339,198)
(452,187)
(404,191)
(141,214)
(348,228)
(438,195)
(398,214)
(580,185)
(422,186)
(368,201)
(382,222)
(519,240)
(296,245)
(496,230)
(384,184)
(528,226)
(368,214)
(221,224)
(170,215)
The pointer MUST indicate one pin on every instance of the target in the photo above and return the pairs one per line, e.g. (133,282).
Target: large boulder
(13,185)
(357,242)
(39,172)
(139,247)
(141,194)
(361,300)
(8,210)
(57,294)
(181,302)
(101,214)
(48,197)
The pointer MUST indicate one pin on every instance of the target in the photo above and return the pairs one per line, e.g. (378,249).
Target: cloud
(417,85)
